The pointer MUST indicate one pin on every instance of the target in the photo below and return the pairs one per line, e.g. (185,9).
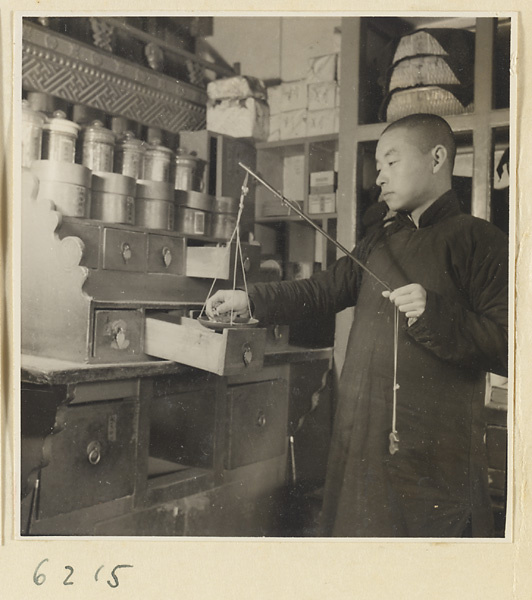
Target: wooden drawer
(218,262)
(186,341)
(166,254)
(90,458)
(124,250)
(117,335)
(257,422)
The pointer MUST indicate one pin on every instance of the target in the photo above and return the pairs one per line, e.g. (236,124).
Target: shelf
(291,218)
(297,141)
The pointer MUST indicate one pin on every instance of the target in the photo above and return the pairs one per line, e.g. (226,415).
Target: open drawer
(186,341)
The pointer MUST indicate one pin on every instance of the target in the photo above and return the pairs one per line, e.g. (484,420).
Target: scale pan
(238,323)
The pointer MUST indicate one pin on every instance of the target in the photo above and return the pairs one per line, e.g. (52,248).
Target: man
(448,273)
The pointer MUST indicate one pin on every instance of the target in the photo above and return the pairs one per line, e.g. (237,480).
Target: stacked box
(293,124)
(274,99)
(322,95)
(322,68)
(236,87)
(239,118)
(294,96)
(301,105)
(294,177)
(275,128)
(322,122)
(321,203)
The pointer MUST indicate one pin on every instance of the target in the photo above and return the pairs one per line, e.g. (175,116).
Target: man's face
(404,171)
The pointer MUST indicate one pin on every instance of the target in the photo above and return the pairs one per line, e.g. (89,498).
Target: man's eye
(391,162)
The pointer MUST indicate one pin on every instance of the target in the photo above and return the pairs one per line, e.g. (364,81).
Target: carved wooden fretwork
(81,74)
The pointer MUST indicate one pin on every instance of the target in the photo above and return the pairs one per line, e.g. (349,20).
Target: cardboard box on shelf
(321,122)
(321,178)
(236,87)
(322,95)
(322,68)
(294,177)
(273,207)
(274,99)
(294,95)
(275,128)
(322,189)
(249,118)
(321,203)
(293,124)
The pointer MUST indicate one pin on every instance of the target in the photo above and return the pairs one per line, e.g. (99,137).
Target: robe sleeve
(323,294)
(473,334)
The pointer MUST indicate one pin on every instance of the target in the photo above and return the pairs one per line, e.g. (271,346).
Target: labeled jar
(193,214)
(188,171)
(154,204)
(66,185)
(113,198)
(59,138)
(129,155)
(98,147)
(157,162)
(225,209)
(32,124)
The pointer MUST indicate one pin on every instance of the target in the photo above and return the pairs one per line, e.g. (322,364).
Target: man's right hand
(223,301)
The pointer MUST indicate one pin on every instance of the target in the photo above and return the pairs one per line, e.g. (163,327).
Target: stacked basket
(428,71)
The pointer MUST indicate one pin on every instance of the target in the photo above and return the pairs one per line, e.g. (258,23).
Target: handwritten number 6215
(39,578)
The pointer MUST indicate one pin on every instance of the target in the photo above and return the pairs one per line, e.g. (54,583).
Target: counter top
(52,371)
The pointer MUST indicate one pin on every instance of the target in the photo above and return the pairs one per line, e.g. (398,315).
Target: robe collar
(445,206)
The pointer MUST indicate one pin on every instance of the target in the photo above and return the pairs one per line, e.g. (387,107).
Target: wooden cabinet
(159,448)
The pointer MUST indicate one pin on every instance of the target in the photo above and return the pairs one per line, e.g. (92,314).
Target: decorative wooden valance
(78,73)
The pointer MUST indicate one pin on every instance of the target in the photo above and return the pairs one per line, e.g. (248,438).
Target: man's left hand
(410,299)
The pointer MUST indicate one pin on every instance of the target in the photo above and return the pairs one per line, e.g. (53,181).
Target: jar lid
(155,148)
(63,172)
(61,124)
(193,199)
(128,141)
(28,114)
(96,132)
(113,183)
(225,204)
(155,190)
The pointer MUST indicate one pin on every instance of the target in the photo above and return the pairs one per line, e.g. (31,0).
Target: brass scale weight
(235,322)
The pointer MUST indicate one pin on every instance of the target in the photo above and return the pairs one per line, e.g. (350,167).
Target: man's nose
(381,178)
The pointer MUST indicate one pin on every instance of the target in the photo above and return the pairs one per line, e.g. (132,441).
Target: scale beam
(293,206)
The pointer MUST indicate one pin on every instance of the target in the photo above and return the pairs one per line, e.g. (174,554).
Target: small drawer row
(122,249)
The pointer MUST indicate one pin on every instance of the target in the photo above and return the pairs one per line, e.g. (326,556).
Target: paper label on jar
(98,157)
(199,223)
(130,210)
(59,148)
(69,199)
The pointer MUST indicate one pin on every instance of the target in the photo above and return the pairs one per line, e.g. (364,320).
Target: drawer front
(166,254)
(118,335)
(90,457)
(257,422)
(124,250)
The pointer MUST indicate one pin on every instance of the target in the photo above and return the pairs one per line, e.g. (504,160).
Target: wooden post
(482,132)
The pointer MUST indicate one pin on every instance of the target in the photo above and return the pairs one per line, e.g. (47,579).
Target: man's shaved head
(429,131)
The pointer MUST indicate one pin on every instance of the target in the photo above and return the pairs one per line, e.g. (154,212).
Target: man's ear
(439,157)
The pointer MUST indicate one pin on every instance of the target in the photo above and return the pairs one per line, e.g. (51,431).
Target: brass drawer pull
(167,256)
(94,453)
(261,419)
(247,354)
(126,252)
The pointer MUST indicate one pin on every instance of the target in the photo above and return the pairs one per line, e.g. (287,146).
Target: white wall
(274,47)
